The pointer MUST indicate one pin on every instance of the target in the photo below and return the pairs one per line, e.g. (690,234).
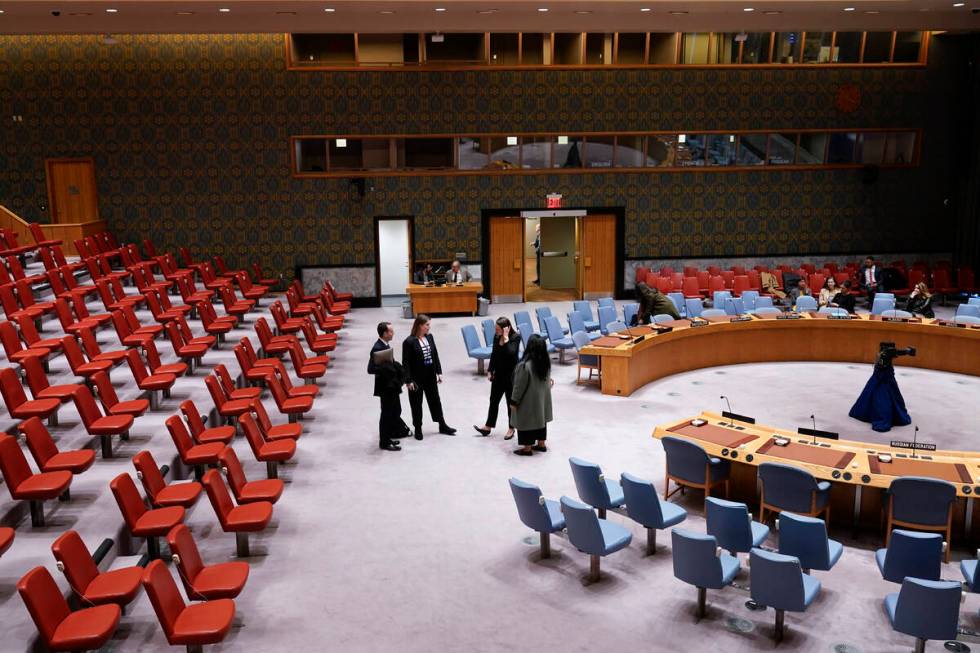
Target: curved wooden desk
(626,367)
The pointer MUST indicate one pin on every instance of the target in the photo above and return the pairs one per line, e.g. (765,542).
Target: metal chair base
(37,514)
(651,541)
(152,548)
(593,568)
(106,446)
(241,544)
(702,600)
(545,544)
(272,469)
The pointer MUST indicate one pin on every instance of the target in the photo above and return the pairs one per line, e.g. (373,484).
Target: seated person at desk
(652,302)
(844,298)
(828,293)
(458,274)
(797,291)
(424,274)
(920,301)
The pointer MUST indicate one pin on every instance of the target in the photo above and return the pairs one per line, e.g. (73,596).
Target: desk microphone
(915,436)
(732,419)
(636,339)
(734,306)
(814,421)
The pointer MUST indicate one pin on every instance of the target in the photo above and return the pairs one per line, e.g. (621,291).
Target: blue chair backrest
(607,314)
(489,331)
(729,522)
(523,317)
(616,326)
(583,307)
(542,312)
(576,321)
(928,609)
(642,503)
(966,319)
(919,555)
(805,538)
(973,310)
(882,304)
(749,299)
(805,303)
(713,312)
(629,312)
(777,580)
(974,301)
(734,306)
(607,301)
(788,487)
(583,527)
(530,506)
(685,460)
(896,313)
(767,310)
(885,295)
(581,339)
(526,335)
(590,487)
(720,297)
(661,318)
(695,559)
(678,299)
(921,500)
(553,328)
(763,302)
(470,338)
(694,307)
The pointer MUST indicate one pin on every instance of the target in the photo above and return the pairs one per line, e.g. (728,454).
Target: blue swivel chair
(805,303)
(679,302)
(785,487)
(969,570)
(576,322)
(526,334)
(585,361)
(749,299)
(537,513)
(733,306)
(972,310)
(544,312)
(607,314)
(585,308)
(833,310)
(925,504)
(522,320)
(766,310)
(805,538)
(925,610)
(919,555)
(731,524)
(778,582)
(593,488)
(719,298)
(589,534)
(616,327)
(761,302)
(688,465)
(645,508)
(629,312)
(882,304)
(661,318)
(694,307)
(473,347)
(489,332)
(700,562)
(973,301)
(607,301)
(885,295)
(896,313)
(713,312)
(557,337)
(966,319)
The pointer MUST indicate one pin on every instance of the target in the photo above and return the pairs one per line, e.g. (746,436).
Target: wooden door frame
(618,211)
(47,181)
(377,250)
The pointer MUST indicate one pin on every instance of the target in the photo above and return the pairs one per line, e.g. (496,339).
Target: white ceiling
(250,16)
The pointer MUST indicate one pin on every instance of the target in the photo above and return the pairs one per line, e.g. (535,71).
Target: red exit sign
(554,200)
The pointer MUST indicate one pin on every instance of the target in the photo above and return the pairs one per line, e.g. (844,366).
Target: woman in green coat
(531,397)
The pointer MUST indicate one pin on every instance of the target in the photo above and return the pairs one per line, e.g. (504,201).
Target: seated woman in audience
(531,397)
(844,299)
(827,293)
(920,301)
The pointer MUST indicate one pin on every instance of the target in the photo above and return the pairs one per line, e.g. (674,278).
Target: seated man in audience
(797,291)
(424,273)
(457,273)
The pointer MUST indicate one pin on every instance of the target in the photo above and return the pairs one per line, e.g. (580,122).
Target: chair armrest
(713,461)
(823,486)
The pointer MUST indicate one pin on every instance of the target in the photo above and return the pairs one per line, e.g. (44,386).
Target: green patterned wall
(190,137)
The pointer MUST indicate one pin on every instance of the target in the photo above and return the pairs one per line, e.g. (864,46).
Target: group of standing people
(525,383)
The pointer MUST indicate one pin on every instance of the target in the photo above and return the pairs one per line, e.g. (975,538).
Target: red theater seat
(189,352)
(77,362)
(224,580)
(228,385)
(46,453)
(240,520)
(14,348)
(152,383)
(110,400)
(272,431)
(191,454)
(318,343)
(227,408)
(233,305)
(94,351)
(252,367)
(202,435)
(157,367)
(141,521)
(246,491)
(269,452)
(192,625)
(41,387)
(6,538)
(157,491)
(308,368)
(24,485)
(338,296)
(103,426)
(263,280)
(119,586)
(18,405)
(32,338)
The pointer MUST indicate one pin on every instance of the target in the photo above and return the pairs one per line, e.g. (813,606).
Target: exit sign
(554,200)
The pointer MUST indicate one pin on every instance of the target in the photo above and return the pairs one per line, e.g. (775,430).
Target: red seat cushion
(250,517)
(280,431)
(111,425)
(178,494)
(92,367)
(221,581)
(203,623)
(236,407)
(304,391)
(119,586)
(158,381)
(175,369)
(202,454)
(297,405)
(36,407)
(6,538)
(87,629)
(193,350)
(59,391)
(216,434)
(46,485)
(75,462)
(246,393)
(278,450)
(261,490)
(158,521)
(134,407)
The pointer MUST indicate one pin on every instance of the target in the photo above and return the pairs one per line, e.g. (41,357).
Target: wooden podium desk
(450,298)
(858,479)
(627,366)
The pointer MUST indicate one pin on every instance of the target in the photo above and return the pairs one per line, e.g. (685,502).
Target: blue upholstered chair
(805,538)
(719,298)
(694,307)
(785,487)
(645,508)
(587,361)
(713,312)
(969,570)
(679,302)
(489,331)
(779,583)
(537,513)
(526,334)
(473,347)
(731,524)
(766,310)
(925,610)
(607,301)
(805,303)
(661,318)
(885,295)
(973,310)
(896,313)
(973,301)
(593,488)
(882,304)
(576,322)
(607,314)
(590,534)
(629,312)
(833,310)
(966,319)
(688,465)
(750,298)
(762,302)
(734,306)
(544,312)
(557,337)
(522,320)
(699,561)
(585,309)
(925,504)
(919,555)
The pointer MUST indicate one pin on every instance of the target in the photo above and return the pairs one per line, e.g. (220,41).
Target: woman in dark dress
(531,397)
(503,360)
(420,358)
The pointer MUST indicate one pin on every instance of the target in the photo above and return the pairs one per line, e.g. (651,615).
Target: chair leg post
(292,418)
(545,544)
(195,648)
(272,469)
(479,367)
(53,419)
(593,568)
(651,541)
(920,645)
(702,600)
(154,400)
(152,548)
(198,473)
(166,393)
(780,614)
(106,446)
(602,513)
(241,544)
(37,514)
(65,496)
(124,435)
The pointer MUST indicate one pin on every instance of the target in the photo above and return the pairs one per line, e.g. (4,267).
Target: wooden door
(507,260)
(72,194)
(598,256)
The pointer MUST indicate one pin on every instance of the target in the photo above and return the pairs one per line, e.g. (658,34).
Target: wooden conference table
(627,366)
(450,298)
(858,478)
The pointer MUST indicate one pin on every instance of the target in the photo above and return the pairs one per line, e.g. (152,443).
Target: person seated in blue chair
(797,291)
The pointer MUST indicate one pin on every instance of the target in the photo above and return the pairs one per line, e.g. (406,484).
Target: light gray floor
(422,550)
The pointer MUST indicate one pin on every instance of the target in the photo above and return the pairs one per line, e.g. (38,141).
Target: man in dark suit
(387,387)
(870,279)
(424,274)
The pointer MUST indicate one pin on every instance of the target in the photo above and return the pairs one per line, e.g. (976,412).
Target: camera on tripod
(887,351)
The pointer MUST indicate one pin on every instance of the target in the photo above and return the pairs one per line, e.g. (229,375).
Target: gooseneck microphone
(731,419)
(915,436)
(813,420)
(734,307)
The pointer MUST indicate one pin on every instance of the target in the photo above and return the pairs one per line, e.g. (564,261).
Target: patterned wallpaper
(190,134)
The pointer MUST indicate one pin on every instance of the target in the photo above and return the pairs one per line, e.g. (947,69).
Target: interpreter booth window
(694,47)
(424,153)
(631,48)
(900,148)
(488,153)
(907,46)
(752,149)
(817,47)
(599,151)
(536,152)
(724,48)
(813,149)
(847,47)
(345,154)
(504,49)
(690,150)
(755,49)
(721,149)
(662,150)
(782,149)
(631,153)
(598,49)
(841,148)
(567,152)
(871,148)
(877,47)
(787,48)
(311,155)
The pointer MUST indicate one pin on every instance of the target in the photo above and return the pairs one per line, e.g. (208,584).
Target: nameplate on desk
(903,444)
(663,329)
(839,316)
(789,316)
(895,319)
(741,318)
(817,433)
(699,323)
(736,416)
(955,325)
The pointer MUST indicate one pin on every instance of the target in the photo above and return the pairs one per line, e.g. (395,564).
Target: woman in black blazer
(421,361)
(503,360)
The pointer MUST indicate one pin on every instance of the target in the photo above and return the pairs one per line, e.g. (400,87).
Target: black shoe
(483,432)
(396,442)
(445,429)
(542,448)
(418,434)
(391,446)
(523,452)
